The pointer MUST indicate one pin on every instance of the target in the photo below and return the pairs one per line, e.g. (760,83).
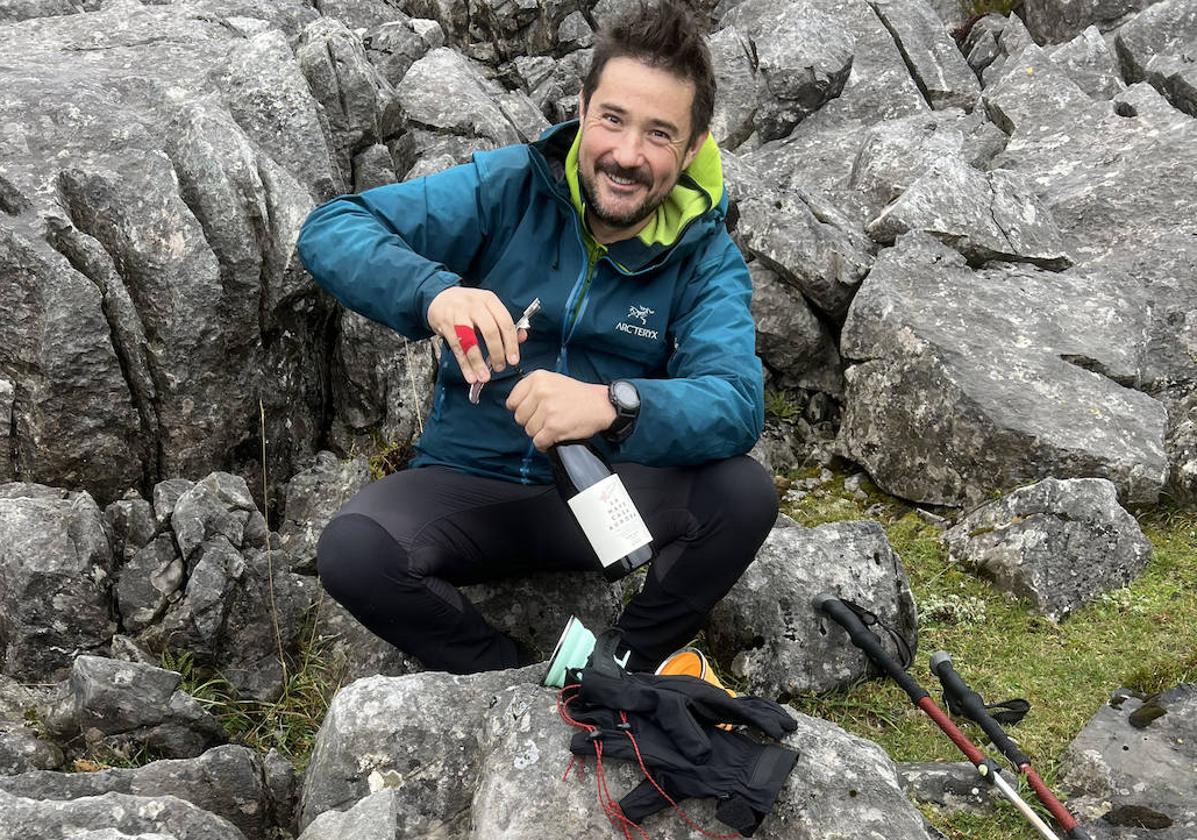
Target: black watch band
(626,401)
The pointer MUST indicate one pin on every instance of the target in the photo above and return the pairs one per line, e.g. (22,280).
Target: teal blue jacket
(668,310)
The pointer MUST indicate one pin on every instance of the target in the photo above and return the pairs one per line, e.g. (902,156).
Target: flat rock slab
(936,65)
(482,757)
(115,816)
(225,781)
(972,381)
(983,215)
(1059,544)
(768,629)
(1131,767)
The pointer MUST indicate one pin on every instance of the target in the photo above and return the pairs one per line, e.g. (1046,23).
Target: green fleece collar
(699,188)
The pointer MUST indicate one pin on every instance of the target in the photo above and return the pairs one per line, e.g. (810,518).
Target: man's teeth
(623,182)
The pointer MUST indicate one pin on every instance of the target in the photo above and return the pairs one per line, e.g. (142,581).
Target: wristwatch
(626,399)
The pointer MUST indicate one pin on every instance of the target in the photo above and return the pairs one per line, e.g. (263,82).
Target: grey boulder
(226,781)
(1158,47)
(113,816)
(805,242)
(55,576)
(803,58)
(483,757)
(1054,21)
(965,382)
(983,215)
(937,67)
(1059,544)
(313,497)
(382,386)
(797,347)
(768,629)
(127,702)
(1088,61)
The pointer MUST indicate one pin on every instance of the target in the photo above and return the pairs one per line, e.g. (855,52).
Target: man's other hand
(481,311)
(553,408)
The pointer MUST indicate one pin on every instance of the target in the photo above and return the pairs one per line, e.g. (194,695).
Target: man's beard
(632,217)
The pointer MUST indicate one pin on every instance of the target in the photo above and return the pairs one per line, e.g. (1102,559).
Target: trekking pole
(958,694)
(863,638)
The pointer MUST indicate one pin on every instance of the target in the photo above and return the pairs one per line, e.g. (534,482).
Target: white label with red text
(610,520)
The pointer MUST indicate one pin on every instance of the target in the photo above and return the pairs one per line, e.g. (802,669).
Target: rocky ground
(971,242)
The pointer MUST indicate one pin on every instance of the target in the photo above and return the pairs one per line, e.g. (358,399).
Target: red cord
(677,808)
(608,803)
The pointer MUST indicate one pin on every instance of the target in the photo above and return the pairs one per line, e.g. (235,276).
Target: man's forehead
(636,89)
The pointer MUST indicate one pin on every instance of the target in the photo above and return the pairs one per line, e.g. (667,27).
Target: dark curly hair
(665,34)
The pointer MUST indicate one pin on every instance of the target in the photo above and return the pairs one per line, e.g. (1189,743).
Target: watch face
(626,395)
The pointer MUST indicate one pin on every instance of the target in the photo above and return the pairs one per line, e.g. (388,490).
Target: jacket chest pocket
(626,322)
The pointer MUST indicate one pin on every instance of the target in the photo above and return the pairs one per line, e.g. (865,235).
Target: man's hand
(457,312)
(553,408)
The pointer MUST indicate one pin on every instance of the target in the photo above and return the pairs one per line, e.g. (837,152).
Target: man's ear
(581,107)
(694,149)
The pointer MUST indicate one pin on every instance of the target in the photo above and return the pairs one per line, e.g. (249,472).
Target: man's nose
(627,150)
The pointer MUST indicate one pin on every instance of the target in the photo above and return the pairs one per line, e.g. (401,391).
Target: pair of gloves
(674,723)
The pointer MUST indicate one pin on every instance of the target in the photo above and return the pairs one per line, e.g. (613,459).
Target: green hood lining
(690,198)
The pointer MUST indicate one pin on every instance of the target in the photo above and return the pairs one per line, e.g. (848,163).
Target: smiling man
(644,343)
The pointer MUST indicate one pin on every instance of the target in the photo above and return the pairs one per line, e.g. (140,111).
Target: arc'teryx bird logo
(639,313)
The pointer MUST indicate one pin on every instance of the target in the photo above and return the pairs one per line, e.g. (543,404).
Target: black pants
(395,553)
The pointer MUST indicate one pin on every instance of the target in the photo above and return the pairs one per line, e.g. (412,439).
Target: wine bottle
(602,507)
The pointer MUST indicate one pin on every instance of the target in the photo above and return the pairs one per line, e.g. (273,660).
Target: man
(644,338)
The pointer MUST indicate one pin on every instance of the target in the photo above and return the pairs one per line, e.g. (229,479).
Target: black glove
(744,775)
(681,705)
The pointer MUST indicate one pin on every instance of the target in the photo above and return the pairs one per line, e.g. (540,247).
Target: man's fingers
(493,337)
(511,344)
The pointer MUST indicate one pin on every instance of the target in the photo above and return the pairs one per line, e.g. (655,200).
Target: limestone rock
(1089,63)
(113,816)
(735,93)
(1019,374)
(790,338)
(808,244)
(460,757)
(21,750)
(1058,544)
(983,215)
(938,68)
(313,497)
(803,58)
(1158,46)
(382,385)
(768,629)
(1055,21)
(127,702)
(225,781)
(55,567)
(1130,768)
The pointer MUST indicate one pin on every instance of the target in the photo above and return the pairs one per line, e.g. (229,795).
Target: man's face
(634,145)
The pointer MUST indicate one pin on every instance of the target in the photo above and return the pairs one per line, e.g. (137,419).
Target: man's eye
(611,118)
(660,136)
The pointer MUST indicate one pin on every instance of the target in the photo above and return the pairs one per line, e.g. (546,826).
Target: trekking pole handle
(973,705)
(867,641)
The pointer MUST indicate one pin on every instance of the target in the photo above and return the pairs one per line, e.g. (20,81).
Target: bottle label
(610,520)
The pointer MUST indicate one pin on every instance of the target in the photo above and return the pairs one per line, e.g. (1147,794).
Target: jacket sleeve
(387,252)
(712,406)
